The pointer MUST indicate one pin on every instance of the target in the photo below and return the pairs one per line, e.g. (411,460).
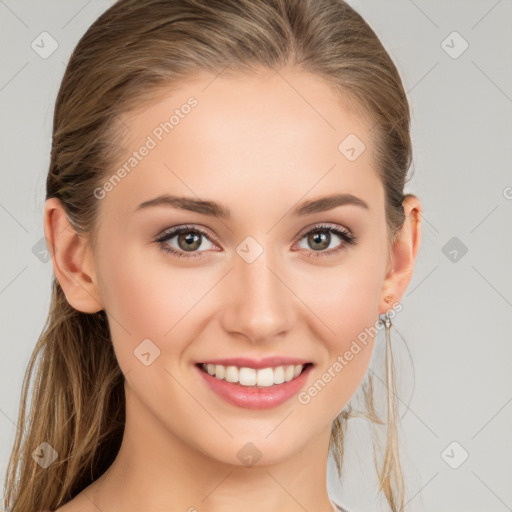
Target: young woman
(226,215)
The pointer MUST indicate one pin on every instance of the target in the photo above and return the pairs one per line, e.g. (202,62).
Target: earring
(385,320)
(388,324)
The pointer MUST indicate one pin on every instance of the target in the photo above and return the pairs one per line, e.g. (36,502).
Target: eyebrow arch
(214,209)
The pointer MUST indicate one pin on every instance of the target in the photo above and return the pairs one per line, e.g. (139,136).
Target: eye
(320,237)
(188,239)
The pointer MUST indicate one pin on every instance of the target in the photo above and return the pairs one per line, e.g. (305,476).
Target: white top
(337,507)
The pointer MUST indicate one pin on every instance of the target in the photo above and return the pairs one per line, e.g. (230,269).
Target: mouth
(254,384)
(246,376)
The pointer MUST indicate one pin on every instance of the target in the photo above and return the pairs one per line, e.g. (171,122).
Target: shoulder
(69,507)
(75,505)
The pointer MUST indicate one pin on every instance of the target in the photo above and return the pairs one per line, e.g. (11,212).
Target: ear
(72,260)
(402,255)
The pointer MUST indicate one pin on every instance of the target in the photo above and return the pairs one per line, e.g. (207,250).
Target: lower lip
(252,397)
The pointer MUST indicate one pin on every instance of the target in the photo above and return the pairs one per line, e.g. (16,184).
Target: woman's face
(257,283)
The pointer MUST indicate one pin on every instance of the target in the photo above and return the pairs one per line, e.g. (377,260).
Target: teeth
(247,376)
(220,371)
(278,376)
(263,377)
(231,374)
(266,377)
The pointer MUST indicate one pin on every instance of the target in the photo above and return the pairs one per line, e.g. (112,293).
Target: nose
(259,304)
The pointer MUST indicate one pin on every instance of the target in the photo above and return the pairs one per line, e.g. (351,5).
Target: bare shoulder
(77,504)
(66,508)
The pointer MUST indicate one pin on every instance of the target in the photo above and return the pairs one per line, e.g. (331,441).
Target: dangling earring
(390,380)
(388,324)
(386,320)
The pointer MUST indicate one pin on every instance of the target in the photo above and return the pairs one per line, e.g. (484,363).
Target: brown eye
(319,239)
(188,240)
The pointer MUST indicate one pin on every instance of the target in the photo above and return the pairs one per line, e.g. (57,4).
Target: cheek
(144,302)
(345,302)
(344,297)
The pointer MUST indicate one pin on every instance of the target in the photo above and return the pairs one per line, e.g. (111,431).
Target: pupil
(320,237)
(192,241)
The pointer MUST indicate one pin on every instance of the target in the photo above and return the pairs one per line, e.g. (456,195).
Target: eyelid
(175,230)
(322,225)
(348,238)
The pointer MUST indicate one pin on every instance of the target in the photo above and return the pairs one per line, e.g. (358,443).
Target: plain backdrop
(455,59)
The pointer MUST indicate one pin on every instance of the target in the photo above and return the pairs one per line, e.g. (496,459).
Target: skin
(257,146)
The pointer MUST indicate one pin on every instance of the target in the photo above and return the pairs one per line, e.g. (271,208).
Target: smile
(261,377)
(243,385)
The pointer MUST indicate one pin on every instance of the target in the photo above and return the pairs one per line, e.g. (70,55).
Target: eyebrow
(214,209)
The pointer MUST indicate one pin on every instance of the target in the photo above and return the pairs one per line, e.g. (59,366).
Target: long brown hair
(134,50)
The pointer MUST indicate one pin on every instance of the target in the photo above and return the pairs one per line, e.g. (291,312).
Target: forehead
(281,135)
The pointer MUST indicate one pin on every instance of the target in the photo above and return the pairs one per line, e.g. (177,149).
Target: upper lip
(257,363)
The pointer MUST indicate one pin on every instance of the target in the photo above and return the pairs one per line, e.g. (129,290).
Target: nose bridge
(259,305)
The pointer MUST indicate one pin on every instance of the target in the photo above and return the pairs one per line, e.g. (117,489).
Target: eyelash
(348,238)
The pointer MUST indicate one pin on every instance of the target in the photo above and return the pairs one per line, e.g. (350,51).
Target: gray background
(457,316)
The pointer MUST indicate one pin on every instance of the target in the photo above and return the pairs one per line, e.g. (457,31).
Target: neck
(156,470)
